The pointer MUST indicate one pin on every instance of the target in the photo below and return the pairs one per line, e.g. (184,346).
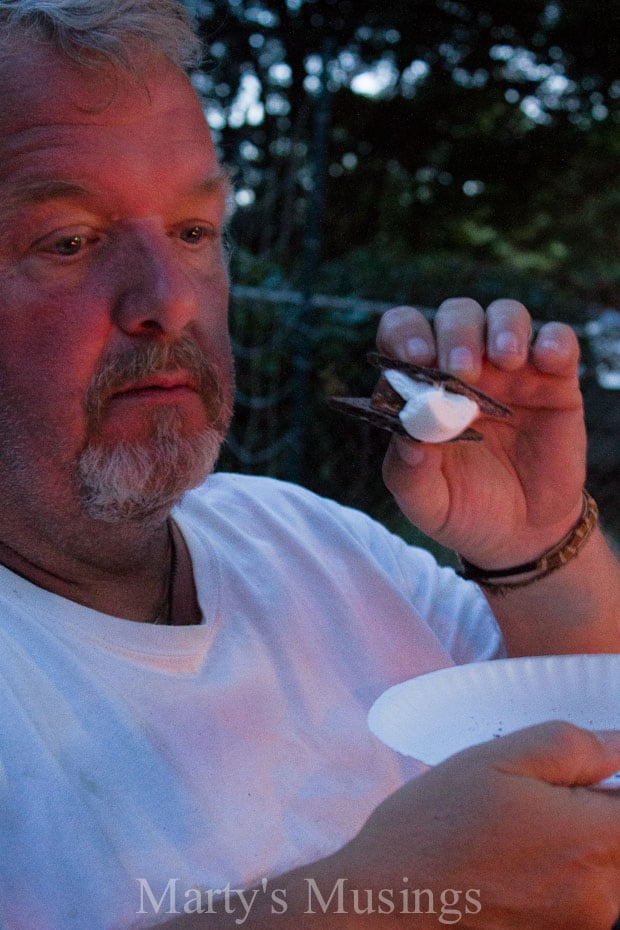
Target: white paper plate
(435,715)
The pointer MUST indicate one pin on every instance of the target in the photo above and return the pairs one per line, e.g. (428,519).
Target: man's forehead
(34,74)
(40,84)
(61,125)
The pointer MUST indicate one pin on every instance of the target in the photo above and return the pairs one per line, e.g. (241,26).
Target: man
(184,697)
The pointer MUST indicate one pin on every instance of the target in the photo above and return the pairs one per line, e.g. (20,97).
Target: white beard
(130,481)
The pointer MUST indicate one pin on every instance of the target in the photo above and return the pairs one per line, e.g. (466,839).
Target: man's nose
(158,293)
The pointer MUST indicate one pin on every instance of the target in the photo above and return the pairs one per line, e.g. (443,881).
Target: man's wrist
(500,580)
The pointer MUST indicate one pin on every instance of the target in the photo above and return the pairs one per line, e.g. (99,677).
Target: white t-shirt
(139,762)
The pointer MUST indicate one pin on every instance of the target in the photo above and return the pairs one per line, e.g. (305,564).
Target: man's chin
(136,481)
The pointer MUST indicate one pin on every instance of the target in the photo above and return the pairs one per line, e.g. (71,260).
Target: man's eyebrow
(28,192)
(220,183)
(25,193)
(214,183)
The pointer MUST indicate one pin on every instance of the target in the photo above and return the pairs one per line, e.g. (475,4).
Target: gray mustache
(114,372)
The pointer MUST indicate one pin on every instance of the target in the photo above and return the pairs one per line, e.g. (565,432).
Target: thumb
(413,474)
(557,753)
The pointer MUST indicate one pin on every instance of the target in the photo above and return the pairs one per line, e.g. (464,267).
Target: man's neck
(123,570)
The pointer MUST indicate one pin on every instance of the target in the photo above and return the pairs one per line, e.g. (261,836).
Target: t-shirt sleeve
(456,610)
(328,533)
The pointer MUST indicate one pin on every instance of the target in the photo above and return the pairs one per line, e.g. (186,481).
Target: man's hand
(506,824)
(506,500)
(510,820)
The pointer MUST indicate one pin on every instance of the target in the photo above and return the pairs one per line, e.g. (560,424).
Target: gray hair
(84,30)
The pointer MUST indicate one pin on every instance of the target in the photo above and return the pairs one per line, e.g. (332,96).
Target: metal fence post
(303,329)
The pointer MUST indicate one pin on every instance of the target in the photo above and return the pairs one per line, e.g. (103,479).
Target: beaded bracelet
(548,562)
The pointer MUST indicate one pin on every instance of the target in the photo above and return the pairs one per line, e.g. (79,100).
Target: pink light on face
(112,206)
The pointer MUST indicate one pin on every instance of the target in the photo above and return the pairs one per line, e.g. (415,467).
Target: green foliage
(484,164)
(382,273)
(495,135)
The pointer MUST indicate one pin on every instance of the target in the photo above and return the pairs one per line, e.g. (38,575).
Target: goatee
(133,480)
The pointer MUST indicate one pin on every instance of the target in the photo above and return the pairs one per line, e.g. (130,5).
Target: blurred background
(404,152)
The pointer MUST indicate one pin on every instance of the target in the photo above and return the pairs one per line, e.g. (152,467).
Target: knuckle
(508,304)
(558,330)
(561,731)
(397,316)
(559,337)
(398,323)
(566,737)
(460,321)
(458,309)
(503,311)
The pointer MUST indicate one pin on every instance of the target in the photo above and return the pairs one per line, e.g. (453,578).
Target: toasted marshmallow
(430,413)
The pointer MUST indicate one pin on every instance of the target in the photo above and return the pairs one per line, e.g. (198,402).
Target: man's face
(114,354)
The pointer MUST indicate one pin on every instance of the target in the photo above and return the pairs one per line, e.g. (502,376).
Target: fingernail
(418,348)
(412,453)
(549,344)
(611,739)
(461,359)
(508,343)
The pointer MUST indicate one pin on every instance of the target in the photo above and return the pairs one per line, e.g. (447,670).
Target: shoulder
(253,494)
(262,522)
(254,500)
(260,512)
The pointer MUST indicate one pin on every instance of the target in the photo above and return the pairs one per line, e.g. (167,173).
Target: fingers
(459,330)
(556,752)
(405,333)
(556,349)
(462,334)
(509,329)
(455,341)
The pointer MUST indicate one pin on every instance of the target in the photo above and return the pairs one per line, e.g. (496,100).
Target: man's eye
(193,235)
(68,245)
(66,242)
